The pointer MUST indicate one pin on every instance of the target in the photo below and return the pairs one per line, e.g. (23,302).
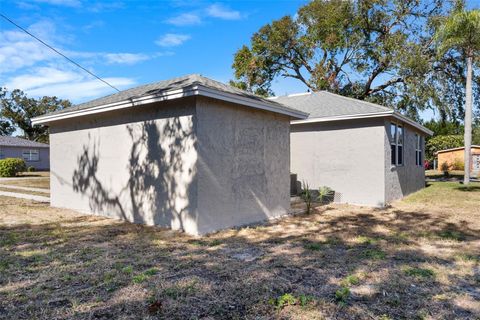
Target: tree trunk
(468,121)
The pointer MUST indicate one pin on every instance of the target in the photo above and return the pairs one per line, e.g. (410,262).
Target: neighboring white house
(188,153)
(367,153)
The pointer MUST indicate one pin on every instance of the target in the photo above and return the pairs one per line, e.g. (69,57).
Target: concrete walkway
(25,196)
(9,186)
(19,178)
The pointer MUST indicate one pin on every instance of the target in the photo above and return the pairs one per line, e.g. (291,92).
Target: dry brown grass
(415,260)
(42,181)
(35,193)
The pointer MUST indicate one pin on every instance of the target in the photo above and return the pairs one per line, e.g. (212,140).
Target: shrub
(307,196)
(10,167)
(325,194)
(444,168)
(458,164)
(442,142)
(31,169)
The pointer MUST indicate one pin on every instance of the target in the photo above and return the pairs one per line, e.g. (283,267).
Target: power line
(58,52)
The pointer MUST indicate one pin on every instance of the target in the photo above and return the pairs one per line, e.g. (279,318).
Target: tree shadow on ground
(409,264)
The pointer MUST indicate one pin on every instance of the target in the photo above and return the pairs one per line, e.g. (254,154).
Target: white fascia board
(412,123)
(389,113)
(171,95)
(344,117)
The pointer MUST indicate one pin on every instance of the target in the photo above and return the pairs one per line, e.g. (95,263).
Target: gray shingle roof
(7,141)
(160,87)
(325,104)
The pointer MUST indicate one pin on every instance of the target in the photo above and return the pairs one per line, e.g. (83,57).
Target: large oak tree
(17,110)
(377,50)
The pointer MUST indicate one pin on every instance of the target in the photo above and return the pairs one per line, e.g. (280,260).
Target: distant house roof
(455,149)
(323,106)
(188,85)
(7,141)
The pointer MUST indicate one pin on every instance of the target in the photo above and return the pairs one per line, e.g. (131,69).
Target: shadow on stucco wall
(159,184)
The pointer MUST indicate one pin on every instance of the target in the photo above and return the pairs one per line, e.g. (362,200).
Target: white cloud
(64,83)
(82,90)
(172,39)
(28,65)
(93,25)
(185,19)
(126,58)
(219,11)
(40,77)
(65,3)
(18,50)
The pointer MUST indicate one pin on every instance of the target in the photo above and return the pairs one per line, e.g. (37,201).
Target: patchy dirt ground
(419,259)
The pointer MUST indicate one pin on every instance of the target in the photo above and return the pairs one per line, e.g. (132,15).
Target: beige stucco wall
(347,156)
(181,164)
(138,166)
(403,180)
(243,169)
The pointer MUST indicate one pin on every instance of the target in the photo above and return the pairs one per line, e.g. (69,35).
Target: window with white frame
(396,144)
(30,155)
(418,150)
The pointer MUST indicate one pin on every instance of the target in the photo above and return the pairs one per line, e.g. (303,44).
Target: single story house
(367,153)
(457,155)
(188,153)
(34,153)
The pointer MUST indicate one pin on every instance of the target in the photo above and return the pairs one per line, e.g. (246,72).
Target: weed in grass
(314,246)
(9,239)
(139,278)
(109,276)
(467,257)
(142,277)
(373,254)
(419,272)
(127,270)
(451,235)
(214,243)
(342,295)
(400,237)
(304,300)
(181,290)
(422,315)
(198,243)
(384,317)
(286,299)
(351,280)
(151,272)
(289,299)
(4,264)
(366,240)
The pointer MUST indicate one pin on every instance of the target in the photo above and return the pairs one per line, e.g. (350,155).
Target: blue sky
(128,43)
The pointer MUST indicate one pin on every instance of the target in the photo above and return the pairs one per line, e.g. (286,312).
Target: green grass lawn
(417,259)
(435,174)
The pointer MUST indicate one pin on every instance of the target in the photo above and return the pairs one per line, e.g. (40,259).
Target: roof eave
(344,117)
(389,113)
(195,90)
(412,123)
